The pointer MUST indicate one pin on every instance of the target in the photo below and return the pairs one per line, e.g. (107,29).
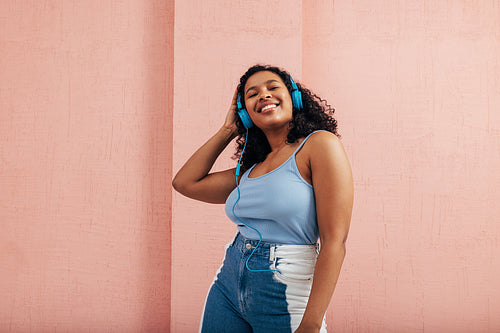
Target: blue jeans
(241,301)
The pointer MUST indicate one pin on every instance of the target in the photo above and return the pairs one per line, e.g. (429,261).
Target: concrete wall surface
(101,102)
(85,165)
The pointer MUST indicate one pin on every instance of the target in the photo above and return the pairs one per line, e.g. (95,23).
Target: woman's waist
(275,248)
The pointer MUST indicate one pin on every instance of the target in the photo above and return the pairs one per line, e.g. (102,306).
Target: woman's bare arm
(194,180)
(333,189)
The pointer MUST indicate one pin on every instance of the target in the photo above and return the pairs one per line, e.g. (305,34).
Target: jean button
(248,246)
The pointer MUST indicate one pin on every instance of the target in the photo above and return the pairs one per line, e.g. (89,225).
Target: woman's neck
(277,139)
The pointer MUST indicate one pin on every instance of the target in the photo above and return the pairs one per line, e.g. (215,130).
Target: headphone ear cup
(296,95)
(244,116)
(297,99)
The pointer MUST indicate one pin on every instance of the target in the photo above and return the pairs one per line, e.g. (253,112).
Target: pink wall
(101,100)
(213,46)
(417,94)
(417,91)
(85,165)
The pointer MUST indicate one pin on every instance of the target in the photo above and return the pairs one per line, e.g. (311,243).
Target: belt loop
(272,250)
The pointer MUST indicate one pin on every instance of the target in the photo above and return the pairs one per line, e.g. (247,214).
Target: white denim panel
(294,266)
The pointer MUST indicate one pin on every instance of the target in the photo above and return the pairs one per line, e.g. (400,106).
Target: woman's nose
(264,94)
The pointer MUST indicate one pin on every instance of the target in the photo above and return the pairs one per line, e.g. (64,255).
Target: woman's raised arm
(194,180)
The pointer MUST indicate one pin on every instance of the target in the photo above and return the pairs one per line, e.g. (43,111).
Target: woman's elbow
(178,185)
(336,244)
(186,188)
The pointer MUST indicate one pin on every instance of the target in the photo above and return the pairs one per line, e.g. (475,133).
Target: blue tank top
(280,204)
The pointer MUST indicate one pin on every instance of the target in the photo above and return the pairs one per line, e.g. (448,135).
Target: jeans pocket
(295,266)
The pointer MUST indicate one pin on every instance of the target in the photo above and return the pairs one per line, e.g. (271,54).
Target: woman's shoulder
(322,139)
(323,144)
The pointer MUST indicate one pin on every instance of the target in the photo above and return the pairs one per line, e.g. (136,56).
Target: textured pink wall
(417,90)
(214,43)
(415,85)
(85,165)
(87,100)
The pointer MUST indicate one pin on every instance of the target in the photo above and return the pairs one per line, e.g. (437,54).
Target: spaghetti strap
(304,141)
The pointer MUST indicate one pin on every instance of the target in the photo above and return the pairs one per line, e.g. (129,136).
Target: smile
(268,108)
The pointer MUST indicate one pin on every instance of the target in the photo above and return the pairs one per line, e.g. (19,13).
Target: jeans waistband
(244,244)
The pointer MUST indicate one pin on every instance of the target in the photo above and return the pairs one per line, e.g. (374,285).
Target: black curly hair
(316,114)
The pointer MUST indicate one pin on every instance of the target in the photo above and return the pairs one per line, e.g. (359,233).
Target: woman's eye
(273,88)
(252,95)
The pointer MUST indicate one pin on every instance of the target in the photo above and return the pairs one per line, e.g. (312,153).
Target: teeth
(268,107)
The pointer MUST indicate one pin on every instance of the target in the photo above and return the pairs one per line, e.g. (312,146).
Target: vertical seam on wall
(170,125)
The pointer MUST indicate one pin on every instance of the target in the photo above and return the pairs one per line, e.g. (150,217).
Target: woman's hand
(230,122)
(303,329)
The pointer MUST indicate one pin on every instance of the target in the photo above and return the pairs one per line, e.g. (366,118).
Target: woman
(295,186)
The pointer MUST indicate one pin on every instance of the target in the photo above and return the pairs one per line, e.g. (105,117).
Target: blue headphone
(296,101)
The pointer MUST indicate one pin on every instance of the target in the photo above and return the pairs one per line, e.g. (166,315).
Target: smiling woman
(268,101)
(296,188)
(315,114)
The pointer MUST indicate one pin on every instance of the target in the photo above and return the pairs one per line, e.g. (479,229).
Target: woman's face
(267,100)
